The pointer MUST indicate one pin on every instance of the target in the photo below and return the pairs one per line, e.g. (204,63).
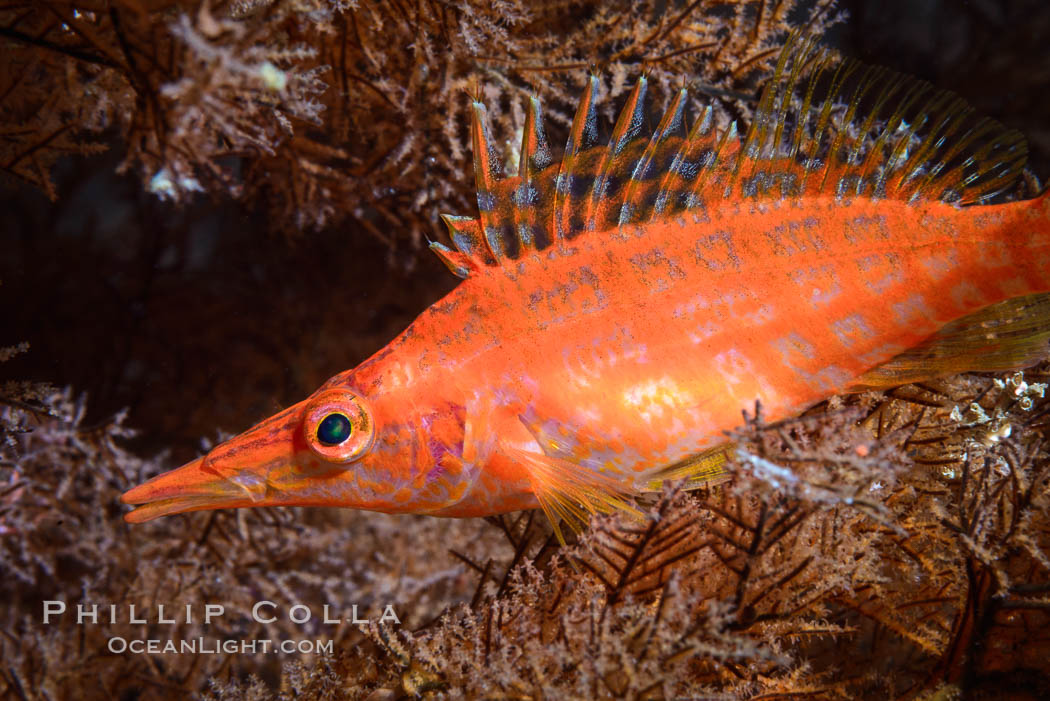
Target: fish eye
(337,425)
(334,429)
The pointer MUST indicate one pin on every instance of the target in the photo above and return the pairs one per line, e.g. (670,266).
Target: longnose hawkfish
(619,308)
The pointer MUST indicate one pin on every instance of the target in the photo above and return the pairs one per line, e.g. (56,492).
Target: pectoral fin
(568,491)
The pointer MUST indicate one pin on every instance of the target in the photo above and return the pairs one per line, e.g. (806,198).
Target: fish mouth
(196,486)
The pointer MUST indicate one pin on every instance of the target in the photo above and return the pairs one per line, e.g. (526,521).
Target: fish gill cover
(883,544)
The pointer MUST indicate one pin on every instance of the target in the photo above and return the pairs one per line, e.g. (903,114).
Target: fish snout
(197,485)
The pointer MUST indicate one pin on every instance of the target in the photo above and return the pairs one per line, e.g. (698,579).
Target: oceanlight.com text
(196,646)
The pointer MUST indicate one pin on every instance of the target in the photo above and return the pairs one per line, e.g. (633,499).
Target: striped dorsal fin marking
(696,153)
(754,150)
(457,263)
(713,181)
(616,160)
(574,181)
(495,217)
(824,127)
(466,234)
(644,188)
(535,158)
(872,133)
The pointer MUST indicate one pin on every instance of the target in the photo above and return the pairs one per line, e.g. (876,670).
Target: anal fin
(1005,336)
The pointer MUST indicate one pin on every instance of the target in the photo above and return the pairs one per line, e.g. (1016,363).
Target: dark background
(201,319)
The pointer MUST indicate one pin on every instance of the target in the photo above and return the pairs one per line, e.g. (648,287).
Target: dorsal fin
(824,127)
(457,263)
(467,236)
(827,126)
(693,155)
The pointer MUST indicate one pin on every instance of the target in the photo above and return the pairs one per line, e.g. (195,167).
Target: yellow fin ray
(700,470)
(570,492)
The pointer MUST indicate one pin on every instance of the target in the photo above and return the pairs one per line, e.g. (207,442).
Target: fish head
(339,447)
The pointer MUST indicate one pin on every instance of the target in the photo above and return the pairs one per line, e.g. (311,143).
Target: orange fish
(619,308)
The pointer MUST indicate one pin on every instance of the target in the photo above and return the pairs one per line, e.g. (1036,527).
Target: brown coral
(329,111)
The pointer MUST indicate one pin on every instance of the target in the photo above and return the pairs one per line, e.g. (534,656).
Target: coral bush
(333,111)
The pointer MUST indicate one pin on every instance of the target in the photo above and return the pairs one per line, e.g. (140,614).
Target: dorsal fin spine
(837,162)
(841,74)
(982,127)
(628,127)
(860,92)
(582,135)
(782,102)
(455,261)
(704,135)
(535,157)
(755,139)
(893,125)
(535,153)
(829,162)
(864,168)
(799,61)
(719,161)
(1003,175)
(781,166)
(901,152)
(671,123)
(701,129)
(487,171)
(959,108)
(806,111)
(629,124)
(919,155)
(467,236)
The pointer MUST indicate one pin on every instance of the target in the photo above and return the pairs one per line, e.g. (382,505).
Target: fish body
(620,308)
